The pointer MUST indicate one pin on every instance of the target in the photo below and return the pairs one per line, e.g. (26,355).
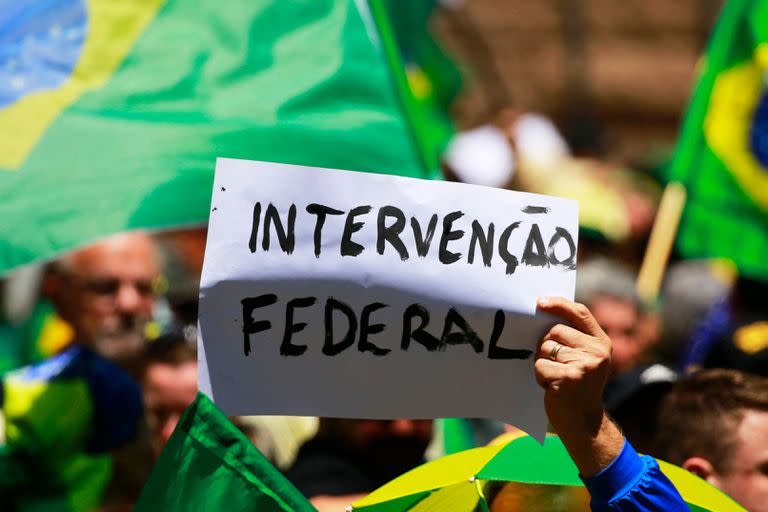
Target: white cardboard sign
(347,294)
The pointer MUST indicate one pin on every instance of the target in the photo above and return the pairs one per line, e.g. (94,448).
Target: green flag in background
(208,464)
(430,76)
(121,127)
(722,155)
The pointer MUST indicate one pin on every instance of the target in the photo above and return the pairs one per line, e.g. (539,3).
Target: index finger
(578,315)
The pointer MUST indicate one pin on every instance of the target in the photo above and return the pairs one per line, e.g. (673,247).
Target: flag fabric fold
(208,464)
(125,134)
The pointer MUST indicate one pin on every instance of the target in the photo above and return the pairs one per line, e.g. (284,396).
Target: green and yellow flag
(722,155)
(112,112)
(208,464)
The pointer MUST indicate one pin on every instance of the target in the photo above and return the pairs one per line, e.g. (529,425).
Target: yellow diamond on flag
(99,33)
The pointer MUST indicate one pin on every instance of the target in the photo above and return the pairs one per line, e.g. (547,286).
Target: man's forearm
(592,442)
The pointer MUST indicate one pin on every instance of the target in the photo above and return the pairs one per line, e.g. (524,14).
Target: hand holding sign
(347,294)
(572,365)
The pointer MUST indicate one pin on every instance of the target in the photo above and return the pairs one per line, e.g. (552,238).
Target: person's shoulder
(319,469)
(117,402)
(66,364)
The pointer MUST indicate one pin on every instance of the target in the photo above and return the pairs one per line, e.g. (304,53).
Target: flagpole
(661,241)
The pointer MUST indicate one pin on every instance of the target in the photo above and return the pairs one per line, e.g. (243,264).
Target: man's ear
(702,468)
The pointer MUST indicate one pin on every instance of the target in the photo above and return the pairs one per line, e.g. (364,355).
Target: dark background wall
(614,74)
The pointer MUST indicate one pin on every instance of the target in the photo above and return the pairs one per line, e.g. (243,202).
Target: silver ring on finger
(555,350)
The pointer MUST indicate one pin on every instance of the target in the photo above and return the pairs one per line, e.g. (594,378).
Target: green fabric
(20,344)
(419,48)
(457,435)
(721,218)
(304,82)
(533,463)
(208,464)
(396,505)
(429,79)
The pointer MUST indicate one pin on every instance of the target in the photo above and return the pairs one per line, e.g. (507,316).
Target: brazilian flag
(112,112)
(722,155)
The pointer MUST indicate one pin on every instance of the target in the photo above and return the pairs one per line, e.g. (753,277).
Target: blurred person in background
(168,378)
(106,293)
(714,423)
(607,288)
(349,458)
(734,332)
(182,252)
(691,289)
(634,399)
(70,418)
(168,375)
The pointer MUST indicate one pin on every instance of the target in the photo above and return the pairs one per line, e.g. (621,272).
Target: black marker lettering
(538,258)
(447,257)
(286,347)
(366,329)
(348,247)
(467,334)
(321,211)
(535,209)
(485,241)
(253,242)
(287,240)
(509,258)
(570,261)
(497,352)
(249,326)
(391,233)
(430,342)
(329,348)
(423,242)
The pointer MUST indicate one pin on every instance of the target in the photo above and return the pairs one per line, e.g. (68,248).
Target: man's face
(168,391)
(747,478)
(105,292)
(619,319)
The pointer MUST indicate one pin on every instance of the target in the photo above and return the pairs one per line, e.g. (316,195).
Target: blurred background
(652,114)
(614,77)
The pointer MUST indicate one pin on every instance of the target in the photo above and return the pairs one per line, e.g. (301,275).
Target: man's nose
(128,297)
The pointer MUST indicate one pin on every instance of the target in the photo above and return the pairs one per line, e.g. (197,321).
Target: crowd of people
(98,347)
(82,426)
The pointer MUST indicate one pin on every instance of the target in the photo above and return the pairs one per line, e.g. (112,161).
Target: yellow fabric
(726,127)
(507,437)
(461,496)
(751,338)
(46,417)
(55,335)
(761,55)
(450,476)
(698,492)
(444,472)
(113,27)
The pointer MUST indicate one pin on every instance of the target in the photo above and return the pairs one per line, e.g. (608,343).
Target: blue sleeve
(632,483)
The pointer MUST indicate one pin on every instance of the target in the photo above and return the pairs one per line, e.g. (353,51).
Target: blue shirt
(632,483)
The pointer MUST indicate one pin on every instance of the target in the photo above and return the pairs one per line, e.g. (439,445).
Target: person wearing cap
(633,400)
(572,365)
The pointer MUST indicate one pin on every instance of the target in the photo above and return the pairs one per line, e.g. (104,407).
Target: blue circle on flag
(758,133)
(40,42)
